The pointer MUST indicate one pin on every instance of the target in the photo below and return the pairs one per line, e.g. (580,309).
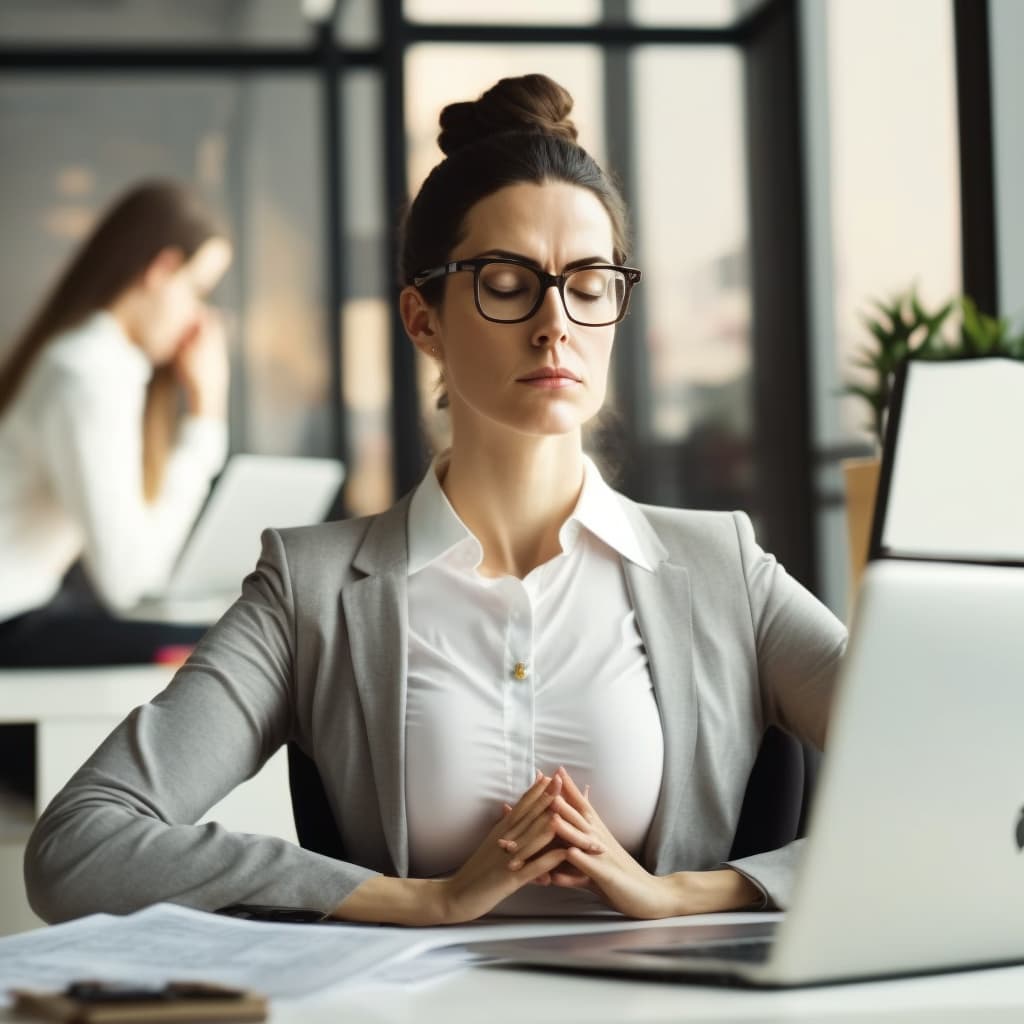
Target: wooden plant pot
(861,480)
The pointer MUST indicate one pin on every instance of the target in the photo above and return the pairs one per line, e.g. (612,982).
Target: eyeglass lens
(593,295)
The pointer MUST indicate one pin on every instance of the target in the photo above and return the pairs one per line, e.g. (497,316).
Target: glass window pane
(695,13)
(358,22)
(439,73)
(895,164)
(692,234)
(250,145)
(523,12)
(366,324)
(155,22)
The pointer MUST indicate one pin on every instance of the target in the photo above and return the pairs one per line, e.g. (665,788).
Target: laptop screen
(952,481)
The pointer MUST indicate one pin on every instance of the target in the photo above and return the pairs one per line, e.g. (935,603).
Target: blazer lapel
(662,602)
(376,609)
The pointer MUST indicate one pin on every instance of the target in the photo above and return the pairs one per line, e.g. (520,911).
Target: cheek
(598,357)
(473,356)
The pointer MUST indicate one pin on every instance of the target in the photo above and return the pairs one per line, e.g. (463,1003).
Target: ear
(420,321)
(162,266)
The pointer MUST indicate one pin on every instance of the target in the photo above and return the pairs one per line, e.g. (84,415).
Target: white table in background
(74,709)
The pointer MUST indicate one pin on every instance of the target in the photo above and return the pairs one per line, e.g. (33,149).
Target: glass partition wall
(306,125)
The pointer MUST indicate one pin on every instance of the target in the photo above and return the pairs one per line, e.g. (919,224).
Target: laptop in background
(951,486)
(914,860)
(252,493)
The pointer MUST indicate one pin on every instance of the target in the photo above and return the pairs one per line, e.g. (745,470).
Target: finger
(573,836)
(537,787)
(567,811)
(597,869)
(570,880)
(517,827)
(533,842)
(528,799)
(510,841)
(571,790)
(540,866)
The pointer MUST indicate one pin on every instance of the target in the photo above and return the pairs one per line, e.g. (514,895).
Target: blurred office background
(785,161)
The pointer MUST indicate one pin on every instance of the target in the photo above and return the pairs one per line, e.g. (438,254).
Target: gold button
(519,671)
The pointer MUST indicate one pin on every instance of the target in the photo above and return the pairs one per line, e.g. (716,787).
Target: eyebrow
(508,254)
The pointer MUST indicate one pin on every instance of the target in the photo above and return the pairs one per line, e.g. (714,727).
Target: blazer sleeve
(799,645)
(122,834)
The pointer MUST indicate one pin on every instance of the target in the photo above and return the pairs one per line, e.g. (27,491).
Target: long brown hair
(151,217)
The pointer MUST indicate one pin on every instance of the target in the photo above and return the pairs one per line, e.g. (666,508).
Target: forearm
(384,900)
(709,892)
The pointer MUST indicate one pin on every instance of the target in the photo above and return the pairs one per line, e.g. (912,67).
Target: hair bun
(529,103)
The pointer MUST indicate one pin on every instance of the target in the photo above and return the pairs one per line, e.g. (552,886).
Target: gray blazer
(314,651)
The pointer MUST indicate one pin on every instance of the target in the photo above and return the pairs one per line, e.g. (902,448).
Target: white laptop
(252,493)
(915,855)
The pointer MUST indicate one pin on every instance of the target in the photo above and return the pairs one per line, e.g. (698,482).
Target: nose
(550,322)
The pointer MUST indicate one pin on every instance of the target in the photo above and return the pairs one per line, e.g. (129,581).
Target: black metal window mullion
(408,441)
(780,338)
(977,155)
(330,68)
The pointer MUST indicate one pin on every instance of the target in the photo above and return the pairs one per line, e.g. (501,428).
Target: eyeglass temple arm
(434,272)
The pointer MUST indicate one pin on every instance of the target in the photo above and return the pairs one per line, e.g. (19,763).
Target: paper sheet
(165,942)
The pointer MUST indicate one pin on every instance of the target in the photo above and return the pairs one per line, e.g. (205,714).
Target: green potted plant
(903,329)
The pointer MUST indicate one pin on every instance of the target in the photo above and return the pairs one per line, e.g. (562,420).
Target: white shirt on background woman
(71,474)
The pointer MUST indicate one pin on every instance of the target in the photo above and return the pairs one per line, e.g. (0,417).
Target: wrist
(417,902)
(203,405)
(709,892)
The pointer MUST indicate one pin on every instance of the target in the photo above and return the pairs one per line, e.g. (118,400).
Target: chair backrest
(778,795)
(773,814)
(314,821)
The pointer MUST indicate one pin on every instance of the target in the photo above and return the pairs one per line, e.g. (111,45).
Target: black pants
(72,631)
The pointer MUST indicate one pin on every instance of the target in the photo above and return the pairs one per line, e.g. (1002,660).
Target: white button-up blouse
(509,675)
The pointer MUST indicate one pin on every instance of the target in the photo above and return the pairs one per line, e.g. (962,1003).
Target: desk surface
(498,995)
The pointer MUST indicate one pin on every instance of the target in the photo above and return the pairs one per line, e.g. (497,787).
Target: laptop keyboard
(747,951)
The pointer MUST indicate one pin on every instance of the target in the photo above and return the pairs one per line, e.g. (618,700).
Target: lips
(552,373)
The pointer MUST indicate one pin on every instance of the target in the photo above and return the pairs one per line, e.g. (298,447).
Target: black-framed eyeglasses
(509,291)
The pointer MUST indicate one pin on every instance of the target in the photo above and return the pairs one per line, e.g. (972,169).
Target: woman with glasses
(523,692)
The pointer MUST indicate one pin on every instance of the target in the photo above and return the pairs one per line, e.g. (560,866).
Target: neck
(515,495)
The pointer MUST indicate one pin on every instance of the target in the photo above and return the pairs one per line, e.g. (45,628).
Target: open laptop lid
(952,478)
(253,492)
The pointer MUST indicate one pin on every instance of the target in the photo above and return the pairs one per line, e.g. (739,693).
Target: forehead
(209,262)
(551,222)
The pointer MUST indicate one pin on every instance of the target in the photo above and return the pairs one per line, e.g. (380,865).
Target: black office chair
(778,795)
(774,807)
(314,820)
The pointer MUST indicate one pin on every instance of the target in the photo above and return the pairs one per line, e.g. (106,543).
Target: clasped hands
(553,836)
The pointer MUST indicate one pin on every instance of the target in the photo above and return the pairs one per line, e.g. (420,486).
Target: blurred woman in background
(113,406)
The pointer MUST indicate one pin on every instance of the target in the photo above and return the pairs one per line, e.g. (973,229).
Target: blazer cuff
(774,873)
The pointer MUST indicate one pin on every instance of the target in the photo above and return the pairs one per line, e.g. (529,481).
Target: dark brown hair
(518,131)
(153,216)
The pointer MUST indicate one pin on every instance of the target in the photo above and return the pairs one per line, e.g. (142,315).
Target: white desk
(514,996)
